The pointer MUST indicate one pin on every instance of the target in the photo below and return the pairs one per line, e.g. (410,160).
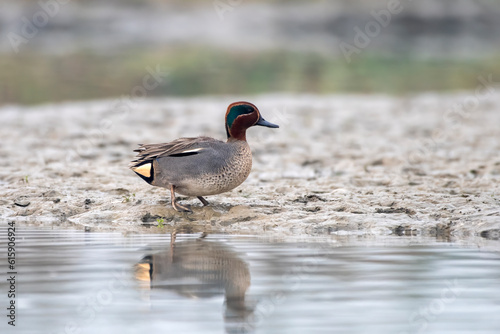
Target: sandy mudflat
(369,165)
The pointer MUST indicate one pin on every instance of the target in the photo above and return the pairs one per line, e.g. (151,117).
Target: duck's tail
(143,166)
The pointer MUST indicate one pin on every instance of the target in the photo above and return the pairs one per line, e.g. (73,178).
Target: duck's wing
(177,148)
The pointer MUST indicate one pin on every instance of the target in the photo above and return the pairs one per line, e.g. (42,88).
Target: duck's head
(240,116)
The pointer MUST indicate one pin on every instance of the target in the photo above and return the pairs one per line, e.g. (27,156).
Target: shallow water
(77,282)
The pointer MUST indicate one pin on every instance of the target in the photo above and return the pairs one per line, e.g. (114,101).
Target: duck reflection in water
(202,268)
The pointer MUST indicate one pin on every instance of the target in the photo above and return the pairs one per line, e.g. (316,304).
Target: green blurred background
(100,49)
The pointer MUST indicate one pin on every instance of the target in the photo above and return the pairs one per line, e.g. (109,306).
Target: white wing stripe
(193,150)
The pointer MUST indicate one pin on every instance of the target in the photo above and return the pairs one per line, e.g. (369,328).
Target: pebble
(22,201)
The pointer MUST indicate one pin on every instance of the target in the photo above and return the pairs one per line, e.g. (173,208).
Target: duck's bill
(263,122)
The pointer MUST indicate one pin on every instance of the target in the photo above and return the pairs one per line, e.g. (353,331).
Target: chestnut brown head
(242,115)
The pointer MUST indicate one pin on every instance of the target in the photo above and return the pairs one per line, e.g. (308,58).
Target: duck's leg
(204,201)
(173,236)
(175,205)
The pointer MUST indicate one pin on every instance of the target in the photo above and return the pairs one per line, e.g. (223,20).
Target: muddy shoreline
(353,165)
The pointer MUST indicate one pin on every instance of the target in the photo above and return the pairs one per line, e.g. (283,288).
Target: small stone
(493,234)
(282,190)
(87,228)
(313,209)
(120,192)
(51,193)
(309,198)
(87,201)
(22,201)
(409,212)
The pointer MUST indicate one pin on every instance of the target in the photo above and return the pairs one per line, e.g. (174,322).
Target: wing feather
(146,153)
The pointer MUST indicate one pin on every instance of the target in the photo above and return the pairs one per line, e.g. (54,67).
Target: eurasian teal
(202,166)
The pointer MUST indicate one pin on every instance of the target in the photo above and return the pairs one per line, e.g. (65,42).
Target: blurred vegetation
(31,79)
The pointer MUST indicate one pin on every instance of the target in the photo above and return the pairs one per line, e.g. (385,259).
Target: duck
(202,166)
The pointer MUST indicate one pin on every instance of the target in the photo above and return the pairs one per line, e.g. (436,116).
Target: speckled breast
(231,174)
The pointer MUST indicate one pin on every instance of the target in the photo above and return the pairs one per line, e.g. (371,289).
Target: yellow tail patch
(144,170)
(142,272)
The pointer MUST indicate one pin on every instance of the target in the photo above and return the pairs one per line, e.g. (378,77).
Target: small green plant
(25,179)
(160,222)
(127,199)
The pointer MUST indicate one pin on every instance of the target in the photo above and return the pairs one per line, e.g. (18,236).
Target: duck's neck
(236,133)
(232,139)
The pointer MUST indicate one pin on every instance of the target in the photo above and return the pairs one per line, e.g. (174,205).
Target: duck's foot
(204,201)
(181,208)
(178,207)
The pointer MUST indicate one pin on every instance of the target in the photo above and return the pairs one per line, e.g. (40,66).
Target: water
(77,282)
